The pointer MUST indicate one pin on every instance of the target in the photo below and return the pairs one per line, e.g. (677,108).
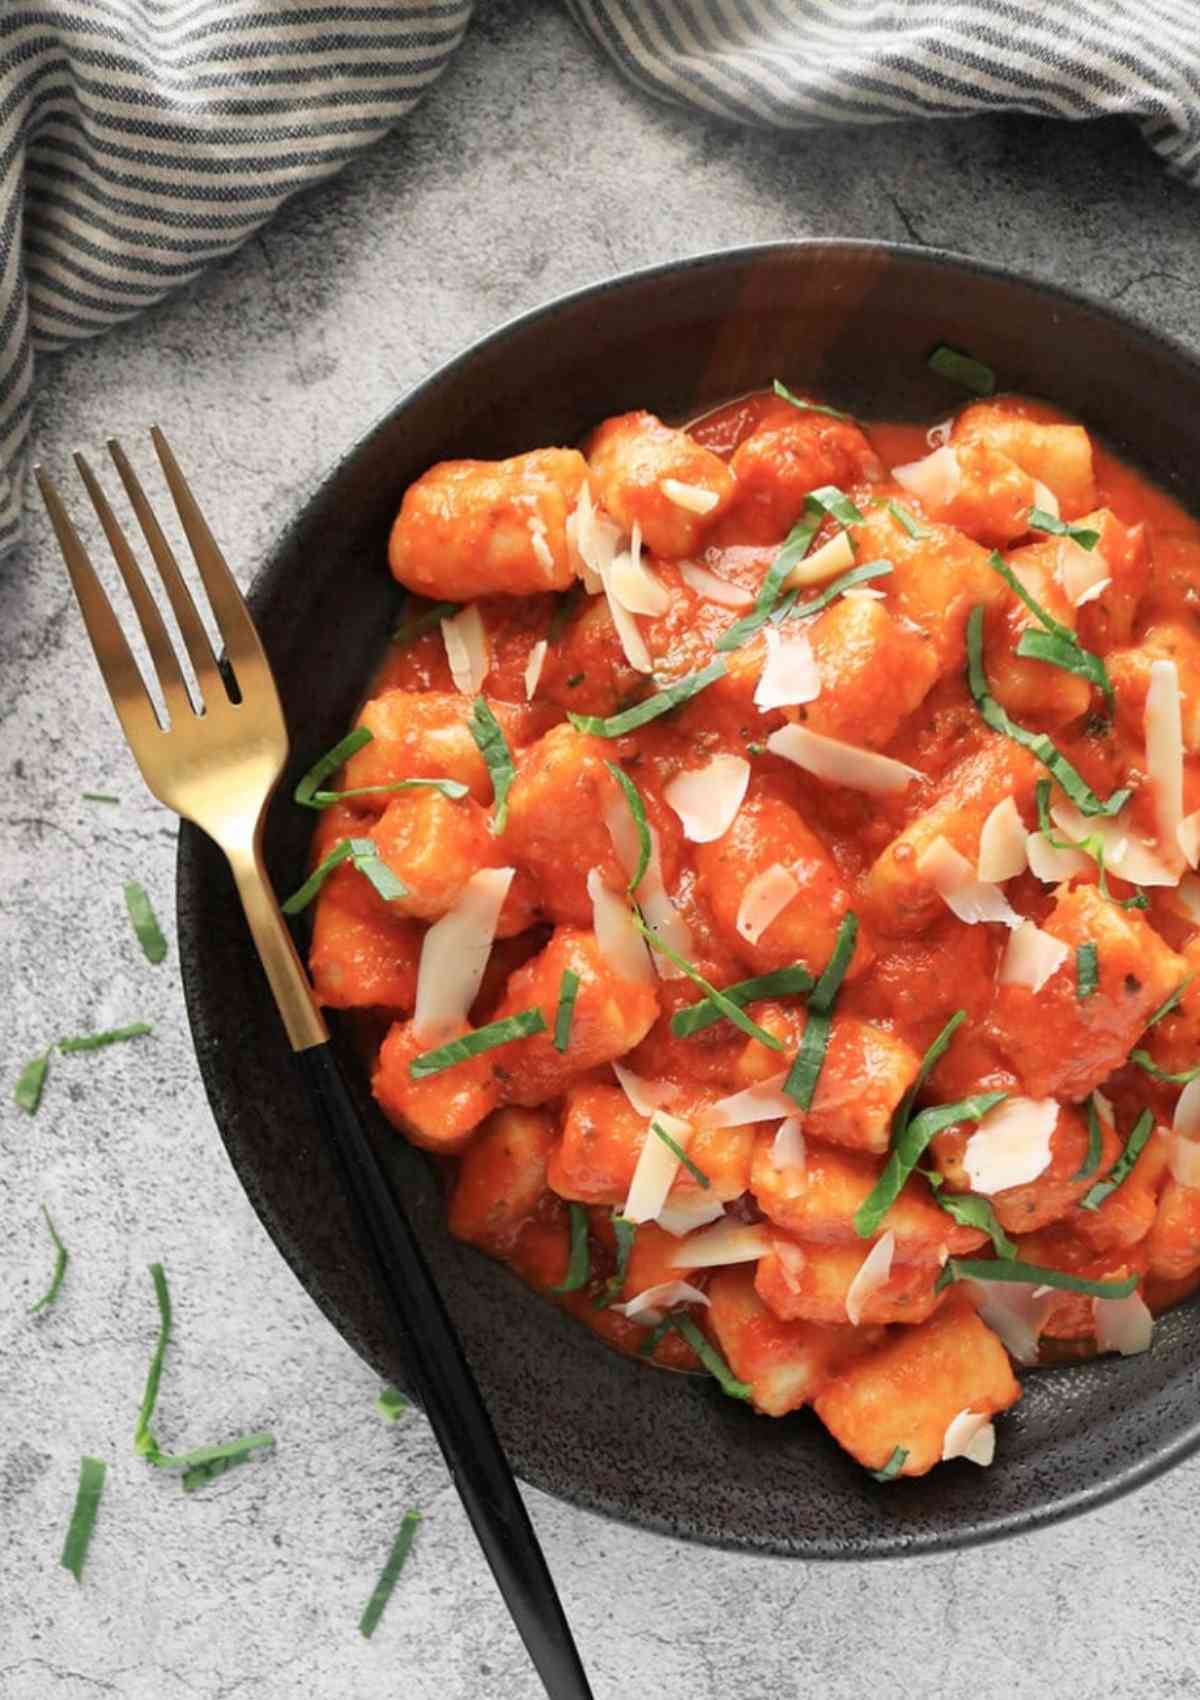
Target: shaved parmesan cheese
(935,481)
(764,899)
(694,498)
(938,435)
(1011,1145)
(593,539)
(646,1096)
(728,1242)
(635,587)
(533,670)
(863,593)
(1186,1120)
(1187,836)
(454,954)
(1083,573)
(970,1434)
(788,1150)
(707,799)
(824,563)
(1125,855)
(1183,1156)
(657,1166)
(659,913)
(1044,498)
(649,1306)
(1002,853)
(841,764)
(1032,957)
(953,878)
(541,546)
(1164,756)
(712,588)
(1123,1325)
(1188,894)
(790,675)
(1016,1311)
(1051,864)
(467,650)
(873,1273)
(760,1103)
(1094,591)
(621,945)
(792,1262)
(688,1214)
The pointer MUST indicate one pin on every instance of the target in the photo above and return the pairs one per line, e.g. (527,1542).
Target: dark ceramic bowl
(855,321)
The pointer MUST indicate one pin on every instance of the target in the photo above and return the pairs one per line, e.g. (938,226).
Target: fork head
(216,762)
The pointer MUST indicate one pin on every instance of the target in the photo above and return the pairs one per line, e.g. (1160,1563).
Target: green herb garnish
(791,609)
(802,1078)
(454,789)
(1037,743)
(98,797)
(962,369)
(206,1463)
(412,626)
(784,394)
(905,520)
(1087,970)
(389,1575)
(1012,1269)
(766,604)
(1145,1061)
(362,853)
(1169,1003)
(1056,643)
(708,1354)
(145,922)
(306,791)
(83,1517)
(579,1263)
(493,747)
(720,1000)
(893,1467)
(780,983)
(144,1442)
(27,1093)
(625,1232)
(487,1038)
(650,708)
(638,810)
(1095,1145)
(907,1149)
(97,1041)
(929,1062)
(673,1145)
(568,991)
(971,1211)
(1092,845)
(61,1258)
(1040,520)
(390,1403)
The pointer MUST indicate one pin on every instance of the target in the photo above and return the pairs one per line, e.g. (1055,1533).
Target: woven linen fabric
(141,139)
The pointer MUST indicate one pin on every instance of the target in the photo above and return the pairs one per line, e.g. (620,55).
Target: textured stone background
(529,170)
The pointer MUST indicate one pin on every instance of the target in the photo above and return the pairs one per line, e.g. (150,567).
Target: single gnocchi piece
(363,954)
(903,1396)
(480,527)
(434,844)
(1058,455)
(975,488)
(501,1178)
(786,457)
(1034,692)
(874,670)
(602,1139)
(801,1282)
(427,735)
(658,478)
(439,1113)
(783,1363)
(1057,1188)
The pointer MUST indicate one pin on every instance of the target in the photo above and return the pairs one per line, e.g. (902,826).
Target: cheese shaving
(1082,573)
(792,1263)
(1016,1311)
(935,481)
(970,1434)
(952,877)
(1002,852)
(1011,1145)
(1123,1325)
(650,1305)
(1045,499)
(1187,836)
(1186,1120)
(454,954)
(788,1150)
(1164,756)
(760,1103)
(1125,855)
(646,1096)
(841,764)
(712,588)
(1052,865)
(633,584)
(533,669)
(1188,894)
(467,650)
(873,1274)
(653,899)
(620,943)
(790,676)
(728,1242)
(541,545)
(689,1214)
(707,799)
(593,539)
(764,900)
(657,1167)
(823,564)
(1032,957)
(693,498)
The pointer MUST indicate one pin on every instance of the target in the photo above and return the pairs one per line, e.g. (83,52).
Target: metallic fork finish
(217,762)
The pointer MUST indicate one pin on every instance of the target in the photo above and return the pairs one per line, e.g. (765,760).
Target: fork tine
(191,628)
(162,654)
(242,643)
(120,671)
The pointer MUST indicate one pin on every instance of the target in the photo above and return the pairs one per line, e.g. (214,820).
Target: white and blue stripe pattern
(140,139)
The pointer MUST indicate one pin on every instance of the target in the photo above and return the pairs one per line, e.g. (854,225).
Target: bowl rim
(986,1529)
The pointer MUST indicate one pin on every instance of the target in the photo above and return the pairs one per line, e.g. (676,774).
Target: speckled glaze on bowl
(856,322)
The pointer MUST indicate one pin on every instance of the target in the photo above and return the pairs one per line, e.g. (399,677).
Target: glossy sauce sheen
(533,1130)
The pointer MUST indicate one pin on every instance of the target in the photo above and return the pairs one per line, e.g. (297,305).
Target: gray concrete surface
(530,169)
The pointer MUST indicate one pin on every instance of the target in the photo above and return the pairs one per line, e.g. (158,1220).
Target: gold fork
(218,768)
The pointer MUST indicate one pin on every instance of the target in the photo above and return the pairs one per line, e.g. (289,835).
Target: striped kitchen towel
(140,139)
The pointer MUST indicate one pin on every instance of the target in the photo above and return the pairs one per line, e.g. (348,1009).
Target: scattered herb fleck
(488,1038)
(61,1258)
(145,922)
(579,1263)
(389,1575)
(83,1516)
(963,369)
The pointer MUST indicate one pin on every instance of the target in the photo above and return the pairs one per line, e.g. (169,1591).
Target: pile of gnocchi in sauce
(764,865)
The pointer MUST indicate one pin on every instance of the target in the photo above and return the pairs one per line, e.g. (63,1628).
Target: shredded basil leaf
(709,1356)
(1168,1004)
(625,1232)
(98,797)
(1012,1269)
(638,810)
(834,502)
(306,791)
(791,609)
(27,1093)
(962,369)
(784,394)
(1145,1061)
(412,626)
(801,1082)
(1037,743)
(1056,644)
(649,1345)
(971,1211)
(906,520)
(61,1258)
(929,1062)
(390,1403)
(144,1442)
(893,1466)
(1092,845)
(616,725)
(145,922)
(97,1041)
(568,991)
(83,1515)
(493,747)
(454,789)
(496,1033)
(1040,520)
(389,1575)
(206,1463)
(907,1149)
(362,853)
(780,983)
(725,1004)
(1087,970)
(579,1263)
(793,550)
(1095,1145)
(673,1145)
